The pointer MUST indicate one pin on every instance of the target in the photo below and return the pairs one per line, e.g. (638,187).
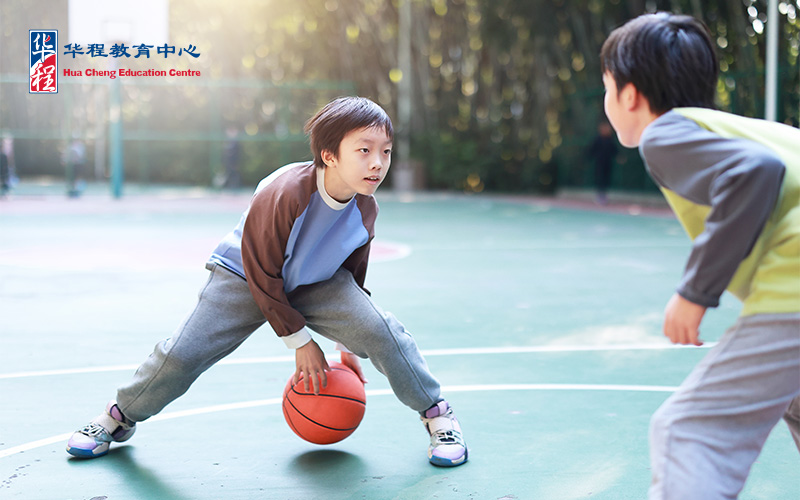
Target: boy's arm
(266,231)
(739,179)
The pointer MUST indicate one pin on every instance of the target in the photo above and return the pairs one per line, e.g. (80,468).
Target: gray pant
(706,436)
(226,314)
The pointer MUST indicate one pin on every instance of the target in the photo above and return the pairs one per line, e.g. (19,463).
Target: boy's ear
(631,99)
(327,157)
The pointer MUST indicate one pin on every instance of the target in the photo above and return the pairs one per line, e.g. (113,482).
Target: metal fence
(170,130)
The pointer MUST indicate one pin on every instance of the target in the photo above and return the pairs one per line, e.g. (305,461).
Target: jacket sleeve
(264,238)
(739,179)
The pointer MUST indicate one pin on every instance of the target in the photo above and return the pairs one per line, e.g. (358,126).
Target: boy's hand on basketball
(310,361)
(351,361)
(682,321)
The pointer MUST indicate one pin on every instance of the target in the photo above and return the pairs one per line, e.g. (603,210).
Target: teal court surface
(540,318)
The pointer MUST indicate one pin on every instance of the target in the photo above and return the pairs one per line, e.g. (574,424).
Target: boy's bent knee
(379,331)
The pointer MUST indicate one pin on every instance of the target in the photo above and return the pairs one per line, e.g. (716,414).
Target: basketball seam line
(327,395)
(306,394)
(317,423)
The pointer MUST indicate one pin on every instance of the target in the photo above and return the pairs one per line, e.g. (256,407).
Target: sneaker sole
(446,462)
(82,453)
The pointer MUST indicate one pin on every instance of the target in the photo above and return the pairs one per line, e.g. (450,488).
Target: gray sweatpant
(226,314)
(706,436)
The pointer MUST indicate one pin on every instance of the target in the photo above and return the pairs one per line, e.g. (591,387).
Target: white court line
(558,348)
(117,368)
(577,245)
(377,392)
(429,352)
(68,371)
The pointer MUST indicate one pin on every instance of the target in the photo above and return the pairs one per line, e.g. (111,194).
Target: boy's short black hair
(669,58)
(328,127)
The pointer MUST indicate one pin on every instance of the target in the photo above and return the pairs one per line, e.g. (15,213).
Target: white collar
(328,199)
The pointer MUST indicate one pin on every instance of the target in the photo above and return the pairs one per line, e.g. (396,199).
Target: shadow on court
(318,466)
(140,480)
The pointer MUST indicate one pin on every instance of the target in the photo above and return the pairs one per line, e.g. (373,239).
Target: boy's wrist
(297,339)
(701,299)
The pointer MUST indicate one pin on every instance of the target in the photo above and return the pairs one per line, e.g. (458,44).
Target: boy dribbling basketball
(734,183)
(298,258)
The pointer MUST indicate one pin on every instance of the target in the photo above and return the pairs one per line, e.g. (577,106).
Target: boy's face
(361,164)
(619,113)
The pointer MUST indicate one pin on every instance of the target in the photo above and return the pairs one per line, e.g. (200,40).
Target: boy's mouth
(373,178)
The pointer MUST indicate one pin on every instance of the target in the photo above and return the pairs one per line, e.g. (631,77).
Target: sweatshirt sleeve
(358,261)
(264,238)
(738,179)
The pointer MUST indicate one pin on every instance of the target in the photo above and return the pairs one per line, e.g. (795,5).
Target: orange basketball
(330,416)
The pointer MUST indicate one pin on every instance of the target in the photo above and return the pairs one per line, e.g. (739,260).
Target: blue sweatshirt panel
(322,238)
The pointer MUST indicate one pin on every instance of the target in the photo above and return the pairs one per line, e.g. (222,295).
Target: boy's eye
(387,151)
(364,150)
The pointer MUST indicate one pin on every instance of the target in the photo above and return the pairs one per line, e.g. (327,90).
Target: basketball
(330,416)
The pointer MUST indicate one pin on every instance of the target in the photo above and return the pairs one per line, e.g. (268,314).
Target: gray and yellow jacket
(734,184)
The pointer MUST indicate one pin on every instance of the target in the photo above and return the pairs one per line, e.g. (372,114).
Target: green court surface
(540,318)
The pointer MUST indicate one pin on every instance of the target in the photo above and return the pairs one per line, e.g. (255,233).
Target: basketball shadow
(321,465)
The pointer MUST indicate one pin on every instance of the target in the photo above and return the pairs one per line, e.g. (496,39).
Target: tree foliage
(505,94)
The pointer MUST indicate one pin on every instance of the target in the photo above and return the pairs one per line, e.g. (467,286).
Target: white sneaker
(95,438)
(447,448)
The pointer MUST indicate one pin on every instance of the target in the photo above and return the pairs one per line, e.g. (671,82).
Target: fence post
(115,136)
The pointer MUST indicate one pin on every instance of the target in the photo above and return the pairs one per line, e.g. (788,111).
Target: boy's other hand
(310,361)
(351,361)
(682,321)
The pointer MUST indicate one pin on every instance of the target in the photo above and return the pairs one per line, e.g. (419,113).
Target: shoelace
(93,430)
(447,437)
